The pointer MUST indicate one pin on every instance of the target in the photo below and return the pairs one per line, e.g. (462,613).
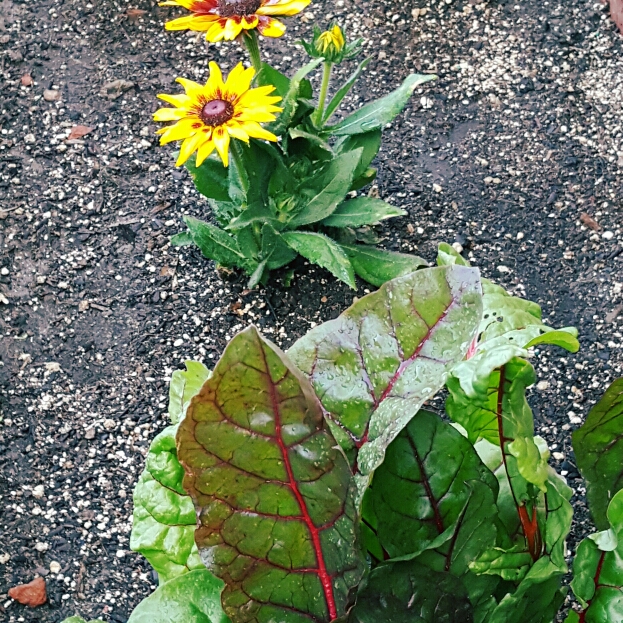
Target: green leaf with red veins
(184,385)
(598,447)
(273,491)
(598,570)
(375,366)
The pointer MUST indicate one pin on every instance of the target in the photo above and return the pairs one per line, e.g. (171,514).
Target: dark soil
(520,136)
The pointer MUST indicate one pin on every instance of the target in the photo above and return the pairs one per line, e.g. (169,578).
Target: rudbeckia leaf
(409,592)
(375,366)
(214,243)
(380,112)
(184,385)
(327,189)
(598,447)
(164,519)
(269,76)
(211,178)
(361,211)
(378,266)
(320,249)
(337,99)
(257,275)
(273,491)
(191,598)
(369,142)
(275,249)
(598,571)
(183,239)
(433,492)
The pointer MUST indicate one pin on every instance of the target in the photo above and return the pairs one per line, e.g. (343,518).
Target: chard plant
(323,485)
(280,175)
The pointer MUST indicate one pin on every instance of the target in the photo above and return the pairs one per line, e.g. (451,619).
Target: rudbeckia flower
(331,41)
(226,19)
(209,116)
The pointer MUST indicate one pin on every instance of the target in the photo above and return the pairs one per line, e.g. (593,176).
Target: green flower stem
(253,46)
(324,89)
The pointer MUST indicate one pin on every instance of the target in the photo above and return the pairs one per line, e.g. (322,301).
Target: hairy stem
(253,47)
(324,89)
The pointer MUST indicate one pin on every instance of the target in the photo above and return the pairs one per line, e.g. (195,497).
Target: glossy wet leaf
(191,598)
(375,366)
(598,447)
(362,211)
(380,112)
(369,143)
(320,249)
(272,490)
(211,178)
(164,518)
(184,385)
(378,266)
(214,243)
(408,592)
(421,495)
(598,570)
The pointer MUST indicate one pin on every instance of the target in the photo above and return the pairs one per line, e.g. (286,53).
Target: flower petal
(255,130)
(217,31)
(221,140)
(283,7)
(237,131)
(214,86)
(192,88)
(270,27)
(239,80)
(204,151)
(169,114)
(181,130)
(249,22)
(179,101)
(232,29)
(188,147)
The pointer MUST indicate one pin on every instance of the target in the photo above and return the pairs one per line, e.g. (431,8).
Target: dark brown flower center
(217,112)
(231,8)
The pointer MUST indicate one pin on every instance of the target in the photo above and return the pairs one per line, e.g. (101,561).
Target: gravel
(515,155)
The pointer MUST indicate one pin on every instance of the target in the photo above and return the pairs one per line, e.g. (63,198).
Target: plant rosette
(324,490)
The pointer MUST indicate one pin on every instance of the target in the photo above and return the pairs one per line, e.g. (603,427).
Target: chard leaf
(164,519)
(433,491)
(215,244)
(377,266)
(328,189)
(409,592)
(380,112)
(191,598)
(375,366)
(598,570)
(211,178)
(320,249)
(361,211)
(272,490)
(184,385)
(343,91)
(447,255)
(598,448)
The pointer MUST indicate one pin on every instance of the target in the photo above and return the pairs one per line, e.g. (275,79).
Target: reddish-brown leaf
(32,594)
(78,131)
(589,221)
(134,14)
(26,80)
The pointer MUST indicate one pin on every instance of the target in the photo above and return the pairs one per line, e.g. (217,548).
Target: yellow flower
(226,19)
(208,116)
(331,41)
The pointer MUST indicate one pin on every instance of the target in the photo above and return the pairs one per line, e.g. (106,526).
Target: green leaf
(215,244)
(191,598)
(269,76)
(184,385)
(329,188)
(380,112)
(314,139)
(378,266)
(598,571)
(275,249)
(250,170)
(512,565)
(257,275)
(321,250)
(421,492)
(369,142)
(183,239)
(272,489)
(409,592)
(598,447)
(448,255)
(375,366)
(362,211)
(289,103)
(211,178)
(343,91)
(164,516)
